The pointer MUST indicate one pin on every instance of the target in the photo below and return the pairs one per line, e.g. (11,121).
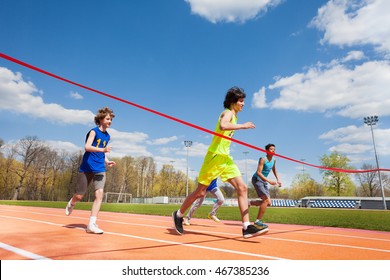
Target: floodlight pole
(188,144)
(303,166)
(372,120)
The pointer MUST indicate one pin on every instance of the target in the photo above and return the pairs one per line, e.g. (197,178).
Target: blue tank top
(267,167)
(95,161)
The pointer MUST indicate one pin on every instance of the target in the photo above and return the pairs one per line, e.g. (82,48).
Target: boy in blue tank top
(93,167)
(260,183)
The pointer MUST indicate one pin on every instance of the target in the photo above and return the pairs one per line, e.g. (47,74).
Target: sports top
(95,161)
(221,145)
(267,167)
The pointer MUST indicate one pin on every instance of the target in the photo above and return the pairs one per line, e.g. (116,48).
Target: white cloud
(64,146)
(177,163)
(24,98)
(354,55)
(259,100)
(168,150)
(230,10)
(76,95)
(347,148)
(196,150)
(128,143)
(347,23)
(162,141)
(348,134)
(337,89)
(356,142)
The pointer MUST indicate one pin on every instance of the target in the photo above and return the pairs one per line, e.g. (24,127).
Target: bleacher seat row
(283,202)
(332,204)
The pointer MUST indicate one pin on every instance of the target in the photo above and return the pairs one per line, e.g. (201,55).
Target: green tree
(304,185)
(336,182)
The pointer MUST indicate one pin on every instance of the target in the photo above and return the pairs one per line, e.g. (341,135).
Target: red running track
(46,233)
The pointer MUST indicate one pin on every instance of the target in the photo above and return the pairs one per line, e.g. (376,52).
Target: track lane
(49,233)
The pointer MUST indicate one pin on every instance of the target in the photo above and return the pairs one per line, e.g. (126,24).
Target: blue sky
(311,70)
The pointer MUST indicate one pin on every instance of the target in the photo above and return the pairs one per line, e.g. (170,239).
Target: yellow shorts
(215,165)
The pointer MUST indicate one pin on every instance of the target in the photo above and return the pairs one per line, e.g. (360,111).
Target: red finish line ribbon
(181,121)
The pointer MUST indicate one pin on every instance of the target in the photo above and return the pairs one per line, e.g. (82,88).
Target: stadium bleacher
(318,203)
(283,203)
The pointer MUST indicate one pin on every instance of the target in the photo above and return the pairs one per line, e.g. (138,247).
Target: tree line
(336,183)
(31,170)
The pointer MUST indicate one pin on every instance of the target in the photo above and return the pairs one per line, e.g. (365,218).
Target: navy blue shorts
(261,187)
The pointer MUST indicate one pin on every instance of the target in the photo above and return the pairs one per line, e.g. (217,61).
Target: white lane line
(155,240)
(199,247)
(335,235)
(22,252)
(329,244)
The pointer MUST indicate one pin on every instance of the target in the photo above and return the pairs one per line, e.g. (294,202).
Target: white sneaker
(93,228)
(69,208)
(187,221)
(213,217)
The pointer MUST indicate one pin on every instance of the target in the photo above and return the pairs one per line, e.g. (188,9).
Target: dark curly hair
(232,96)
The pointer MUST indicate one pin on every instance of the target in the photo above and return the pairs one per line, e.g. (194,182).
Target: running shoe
(69,208)
(260,225)
(93,228)
(187,221)
(213,217)
(252,231)
(177,223)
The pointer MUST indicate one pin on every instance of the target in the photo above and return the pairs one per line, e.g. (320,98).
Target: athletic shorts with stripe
(261,187)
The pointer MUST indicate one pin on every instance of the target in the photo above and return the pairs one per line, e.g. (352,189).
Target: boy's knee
(99,194)
(202,192)
(199,192)
(242,189)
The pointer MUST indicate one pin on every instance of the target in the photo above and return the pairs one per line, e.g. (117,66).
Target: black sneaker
(252,231)
(177,223)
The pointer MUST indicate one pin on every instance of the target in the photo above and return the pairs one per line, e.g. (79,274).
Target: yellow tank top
(220,145)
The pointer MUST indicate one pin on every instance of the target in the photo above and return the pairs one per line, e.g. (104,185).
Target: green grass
(352,218)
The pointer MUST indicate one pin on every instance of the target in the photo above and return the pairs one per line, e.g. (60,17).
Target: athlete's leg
(199,192)
(242,193)
(266,202)
(220,200)
(195,206)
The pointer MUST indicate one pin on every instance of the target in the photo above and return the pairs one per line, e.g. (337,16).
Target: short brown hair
(102,113)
